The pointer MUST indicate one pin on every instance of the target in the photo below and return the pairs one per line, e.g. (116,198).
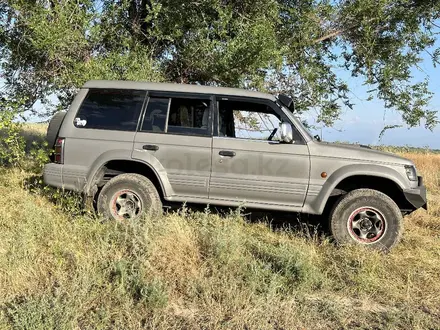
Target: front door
(250,164)
(175,134)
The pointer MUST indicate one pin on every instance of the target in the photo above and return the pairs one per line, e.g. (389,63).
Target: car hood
(355,152)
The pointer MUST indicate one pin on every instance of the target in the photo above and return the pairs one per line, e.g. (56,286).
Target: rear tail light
(59,151)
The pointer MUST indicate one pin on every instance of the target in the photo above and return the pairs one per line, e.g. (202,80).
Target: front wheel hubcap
(366,225)
(125,205)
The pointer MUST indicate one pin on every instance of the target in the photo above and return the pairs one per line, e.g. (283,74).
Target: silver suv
(135,145)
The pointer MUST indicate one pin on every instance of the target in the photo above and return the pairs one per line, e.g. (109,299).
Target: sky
(364,123)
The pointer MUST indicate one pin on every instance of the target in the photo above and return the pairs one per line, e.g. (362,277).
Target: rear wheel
(128,197)
(367,217)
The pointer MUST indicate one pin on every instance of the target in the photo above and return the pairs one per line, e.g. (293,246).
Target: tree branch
(434,59)
(437,26)
(330,35)
(335,33)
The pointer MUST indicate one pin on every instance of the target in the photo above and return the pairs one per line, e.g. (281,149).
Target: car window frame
(266,102)
(179,95)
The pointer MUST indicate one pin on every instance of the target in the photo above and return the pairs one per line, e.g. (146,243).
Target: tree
(51,47)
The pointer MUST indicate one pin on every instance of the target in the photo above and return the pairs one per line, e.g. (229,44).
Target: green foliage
(70,202)
(47,312)
(39,153)
(51,48)
(19,147)
(386,128)
(12,143)
(128,277)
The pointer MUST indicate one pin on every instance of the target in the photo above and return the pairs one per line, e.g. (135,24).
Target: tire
(54,128)
(367,217)
(129,197)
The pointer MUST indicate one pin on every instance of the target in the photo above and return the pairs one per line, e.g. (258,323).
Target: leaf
(386,128)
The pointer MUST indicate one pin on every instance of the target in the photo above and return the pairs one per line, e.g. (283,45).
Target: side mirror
(286,132)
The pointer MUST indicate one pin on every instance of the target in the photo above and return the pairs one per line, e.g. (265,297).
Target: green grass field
(63,269)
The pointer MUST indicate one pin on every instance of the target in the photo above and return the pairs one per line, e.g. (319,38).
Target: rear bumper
(53,175)
(417,196)
(68,177)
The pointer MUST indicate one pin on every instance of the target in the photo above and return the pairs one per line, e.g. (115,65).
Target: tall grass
(65,270)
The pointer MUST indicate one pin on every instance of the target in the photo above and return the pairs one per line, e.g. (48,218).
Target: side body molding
(315,204)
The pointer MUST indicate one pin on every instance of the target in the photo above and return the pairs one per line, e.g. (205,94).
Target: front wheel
(367,217)
(128,197)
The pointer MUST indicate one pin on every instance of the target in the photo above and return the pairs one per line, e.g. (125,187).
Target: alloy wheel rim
(366,225)
(125,205)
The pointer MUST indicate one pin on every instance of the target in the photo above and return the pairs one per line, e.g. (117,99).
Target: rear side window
(110,109)
(156,114)
(187,116)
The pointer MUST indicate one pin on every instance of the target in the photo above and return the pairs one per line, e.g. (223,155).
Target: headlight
(411,172)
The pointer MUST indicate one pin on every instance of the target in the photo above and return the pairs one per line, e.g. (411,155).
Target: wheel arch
(356,176)
(108,168)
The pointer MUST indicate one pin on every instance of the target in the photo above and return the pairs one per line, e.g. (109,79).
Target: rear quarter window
(110,109)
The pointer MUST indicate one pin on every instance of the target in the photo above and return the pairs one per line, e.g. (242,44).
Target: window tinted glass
(248,120)
(110,109)
(189,116)
(156,114)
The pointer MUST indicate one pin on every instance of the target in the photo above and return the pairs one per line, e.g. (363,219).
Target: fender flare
(373,170)
(124,155)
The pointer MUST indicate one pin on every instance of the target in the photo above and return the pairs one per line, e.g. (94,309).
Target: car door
(175,137)
(250,168)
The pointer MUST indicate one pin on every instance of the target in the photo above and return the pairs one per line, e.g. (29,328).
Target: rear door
(176,134)
(249,163)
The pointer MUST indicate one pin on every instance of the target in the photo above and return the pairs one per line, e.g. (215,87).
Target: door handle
(150,147)
(227,153)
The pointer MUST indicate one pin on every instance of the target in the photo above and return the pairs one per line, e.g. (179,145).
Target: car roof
(174,87)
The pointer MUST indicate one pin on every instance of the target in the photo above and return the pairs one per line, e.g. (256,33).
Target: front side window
(110,109)
(248,120)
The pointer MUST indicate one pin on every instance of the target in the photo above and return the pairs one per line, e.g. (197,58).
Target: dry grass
(36,129)
(199,270)
(34,133)
(429,166)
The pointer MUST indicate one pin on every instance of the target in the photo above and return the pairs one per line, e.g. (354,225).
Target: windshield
(295,120)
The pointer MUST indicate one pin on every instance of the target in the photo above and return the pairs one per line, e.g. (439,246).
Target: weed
(61,268)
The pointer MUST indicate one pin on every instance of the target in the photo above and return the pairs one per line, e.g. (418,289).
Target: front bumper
(417,196)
